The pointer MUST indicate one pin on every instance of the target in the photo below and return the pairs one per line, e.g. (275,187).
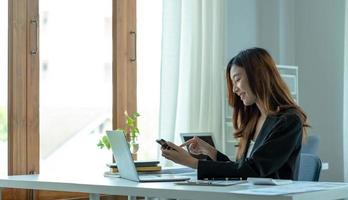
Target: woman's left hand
(179,155)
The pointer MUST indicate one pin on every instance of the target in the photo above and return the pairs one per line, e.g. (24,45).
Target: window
(148,75)
(75,84)
(3,86)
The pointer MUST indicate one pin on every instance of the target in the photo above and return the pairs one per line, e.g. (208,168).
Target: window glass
(148,77)
(75,84)
(3,85)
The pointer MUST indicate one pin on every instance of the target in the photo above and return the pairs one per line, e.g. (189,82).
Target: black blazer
(275,153)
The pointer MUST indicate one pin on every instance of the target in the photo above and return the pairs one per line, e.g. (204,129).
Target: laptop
(206,136)
(125,163)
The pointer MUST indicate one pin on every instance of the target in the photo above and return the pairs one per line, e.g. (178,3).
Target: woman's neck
(261,109)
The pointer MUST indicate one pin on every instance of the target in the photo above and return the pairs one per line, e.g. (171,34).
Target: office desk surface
(97,184)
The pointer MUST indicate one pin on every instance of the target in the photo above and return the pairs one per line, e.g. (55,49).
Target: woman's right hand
(198,146)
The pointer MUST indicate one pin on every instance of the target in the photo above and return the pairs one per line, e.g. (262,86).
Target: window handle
(36,48)
(133,59)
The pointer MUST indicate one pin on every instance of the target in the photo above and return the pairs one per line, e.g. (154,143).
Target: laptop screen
(123,157)
(125,163)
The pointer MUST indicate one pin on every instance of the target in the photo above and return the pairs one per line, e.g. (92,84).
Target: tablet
(206,136)
(211,182)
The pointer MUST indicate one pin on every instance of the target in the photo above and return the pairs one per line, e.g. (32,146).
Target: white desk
(97,184)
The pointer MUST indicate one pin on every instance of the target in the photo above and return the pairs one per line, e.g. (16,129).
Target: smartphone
(164,144)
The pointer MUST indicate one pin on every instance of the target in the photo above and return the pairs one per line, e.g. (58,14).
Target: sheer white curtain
(192,68)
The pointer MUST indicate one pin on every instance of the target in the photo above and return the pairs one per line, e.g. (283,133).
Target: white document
(268,181)
(296,187)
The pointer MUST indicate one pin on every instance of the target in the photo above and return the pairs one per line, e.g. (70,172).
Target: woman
(269,125)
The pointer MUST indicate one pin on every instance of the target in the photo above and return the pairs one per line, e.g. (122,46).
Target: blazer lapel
(264,132)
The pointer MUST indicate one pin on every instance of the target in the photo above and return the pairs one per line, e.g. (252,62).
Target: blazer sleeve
(219,157)
(268,158)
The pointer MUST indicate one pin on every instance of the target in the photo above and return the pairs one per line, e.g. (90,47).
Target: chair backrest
(311,145)
(310,167)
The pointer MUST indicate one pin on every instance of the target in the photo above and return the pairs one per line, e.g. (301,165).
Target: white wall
(241,26)
(268,26)
(319,42)
(309,34)
(345,114)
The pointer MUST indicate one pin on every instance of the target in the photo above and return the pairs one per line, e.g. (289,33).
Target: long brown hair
(268,86)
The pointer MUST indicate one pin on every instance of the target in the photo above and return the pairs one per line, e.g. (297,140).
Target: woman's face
(241,85)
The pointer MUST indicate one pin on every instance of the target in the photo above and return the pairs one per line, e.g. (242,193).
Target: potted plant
(132,137)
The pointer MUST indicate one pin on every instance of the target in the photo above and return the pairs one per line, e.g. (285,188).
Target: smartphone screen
(163,143)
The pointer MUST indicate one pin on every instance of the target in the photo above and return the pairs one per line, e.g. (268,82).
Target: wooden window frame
(23,86)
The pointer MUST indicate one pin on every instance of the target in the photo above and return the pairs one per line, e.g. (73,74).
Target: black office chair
(310,167)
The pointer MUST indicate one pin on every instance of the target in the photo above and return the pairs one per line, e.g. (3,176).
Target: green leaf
(106,142)
(135,115)
(129,121)
(100,144)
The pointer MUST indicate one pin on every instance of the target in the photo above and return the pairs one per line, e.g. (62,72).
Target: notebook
(126,165)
